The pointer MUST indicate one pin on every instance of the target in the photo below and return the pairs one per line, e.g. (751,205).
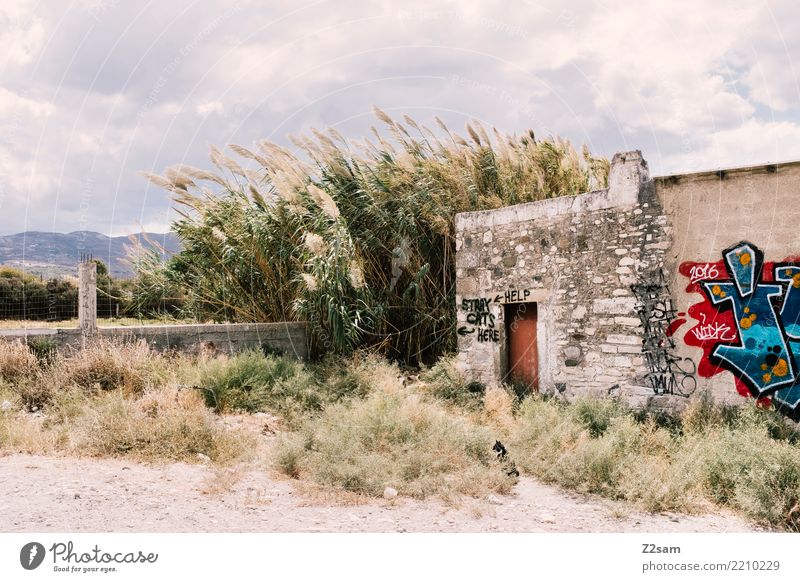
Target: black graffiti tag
(483,320)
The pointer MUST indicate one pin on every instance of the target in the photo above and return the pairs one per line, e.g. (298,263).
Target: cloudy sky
(93,92)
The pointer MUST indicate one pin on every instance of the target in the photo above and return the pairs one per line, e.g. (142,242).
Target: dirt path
(41,494)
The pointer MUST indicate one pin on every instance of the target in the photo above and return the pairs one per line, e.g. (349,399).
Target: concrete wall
(289,338)
(714,211)
(607,321)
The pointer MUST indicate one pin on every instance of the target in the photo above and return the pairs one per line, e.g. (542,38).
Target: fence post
(87,296)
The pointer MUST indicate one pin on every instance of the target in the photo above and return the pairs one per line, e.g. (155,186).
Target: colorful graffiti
(749,323)
(669,374)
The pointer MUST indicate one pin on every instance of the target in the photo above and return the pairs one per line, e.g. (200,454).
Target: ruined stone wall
(577,258)
(651,289)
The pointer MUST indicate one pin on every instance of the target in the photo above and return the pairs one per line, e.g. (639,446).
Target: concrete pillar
(87,297)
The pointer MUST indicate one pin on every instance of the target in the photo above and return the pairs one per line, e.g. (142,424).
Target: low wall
(288,338)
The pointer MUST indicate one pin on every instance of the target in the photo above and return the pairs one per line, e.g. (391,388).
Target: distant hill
(52,254)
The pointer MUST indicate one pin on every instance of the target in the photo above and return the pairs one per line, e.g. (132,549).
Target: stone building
(651,288)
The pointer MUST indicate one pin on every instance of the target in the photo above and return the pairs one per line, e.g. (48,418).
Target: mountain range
(54,254)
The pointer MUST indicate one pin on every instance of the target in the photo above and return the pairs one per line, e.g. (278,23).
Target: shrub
(25,296)
(44,348)
(446,382)
(16,361)
(159,426)
(596,414)
(769,491)
(393,438)
(744,460)
(253,382)
(244,381)
(599,447)
(105,364)
(34,391)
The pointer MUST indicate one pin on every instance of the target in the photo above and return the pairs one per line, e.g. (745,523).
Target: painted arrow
(497,298)
(464,330)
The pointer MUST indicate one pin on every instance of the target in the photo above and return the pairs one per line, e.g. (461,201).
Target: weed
(393,438)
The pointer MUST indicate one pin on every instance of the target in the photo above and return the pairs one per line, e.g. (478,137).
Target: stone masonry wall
(577,259)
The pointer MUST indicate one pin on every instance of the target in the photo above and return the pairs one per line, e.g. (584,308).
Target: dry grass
(394,438)
(16,361)
(160,426)
(358,429)
(111,398)
(101,322)
(108,364)
(741,460)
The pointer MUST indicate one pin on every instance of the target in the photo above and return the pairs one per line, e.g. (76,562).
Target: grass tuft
(393,438)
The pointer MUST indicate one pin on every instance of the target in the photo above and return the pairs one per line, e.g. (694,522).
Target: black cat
(505,461)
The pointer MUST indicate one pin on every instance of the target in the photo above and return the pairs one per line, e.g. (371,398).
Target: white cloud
(207,108)
(752,142)
(22,32)
(121,87)
(12,104)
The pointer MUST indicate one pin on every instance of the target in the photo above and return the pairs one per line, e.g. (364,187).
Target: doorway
(521,343)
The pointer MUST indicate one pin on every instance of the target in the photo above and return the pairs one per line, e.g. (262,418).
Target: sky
(94,92)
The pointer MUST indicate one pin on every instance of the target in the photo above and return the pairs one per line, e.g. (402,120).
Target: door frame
(508,308)
(544,317)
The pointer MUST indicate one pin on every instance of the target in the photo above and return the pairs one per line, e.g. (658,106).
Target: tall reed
(357,238)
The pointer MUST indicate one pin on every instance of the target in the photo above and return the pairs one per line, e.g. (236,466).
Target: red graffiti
(711,326)
(675,325)
(707,318)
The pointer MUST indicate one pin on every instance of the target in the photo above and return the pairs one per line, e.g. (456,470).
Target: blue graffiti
(767,316)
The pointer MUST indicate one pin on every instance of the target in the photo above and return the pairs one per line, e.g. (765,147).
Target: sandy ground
(46,494)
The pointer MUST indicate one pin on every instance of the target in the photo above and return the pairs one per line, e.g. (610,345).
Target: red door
(523,357)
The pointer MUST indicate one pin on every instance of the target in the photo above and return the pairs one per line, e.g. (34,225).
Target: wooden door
(523,356)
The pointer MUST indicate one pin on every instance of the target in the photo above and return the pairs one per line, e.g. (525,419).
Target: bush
(252,382)
(159,426)
(597,446)
(245,381)
(596,414)
(16,361)
(25,296)
(44,348)
(446,382)
(393,438)
(104,364)
(744,460)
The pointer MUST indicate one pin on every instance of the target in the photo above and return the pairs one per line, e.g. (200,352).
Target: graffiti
(703,271)
(669,374)
(514,296)
(749,324)
(716,330)
(483,320)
